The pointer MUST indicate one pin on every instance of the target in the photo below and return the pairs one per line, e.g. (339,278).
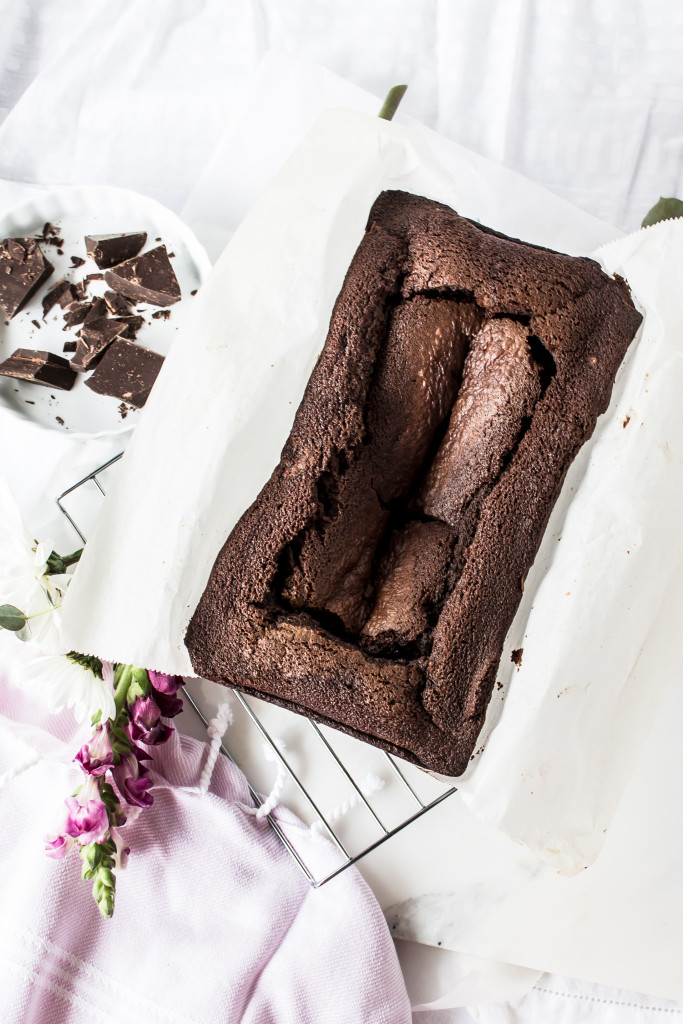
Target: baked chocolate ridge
(404,654)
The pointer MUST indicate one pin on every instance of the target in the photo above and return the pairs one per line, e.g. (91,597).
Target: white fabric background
(585,97)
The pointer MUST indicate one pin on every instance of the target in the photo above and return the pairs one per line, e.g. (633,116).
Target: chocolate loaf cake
(372,582)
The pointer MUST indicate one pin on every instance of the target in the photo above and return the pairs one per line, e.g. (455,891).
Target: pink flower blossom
(133,782)
(145,725)
(164,683)
(97,756)
(87,822)
(58,846)
(122,851)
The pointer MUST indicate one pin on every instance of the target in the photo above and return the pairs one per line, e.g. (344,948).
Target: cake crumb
(499,684)
(60,420)
(626,422)
(516,657)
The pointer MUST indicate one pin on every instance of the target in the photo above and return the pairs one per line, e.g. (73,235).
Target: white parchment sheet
(578,710)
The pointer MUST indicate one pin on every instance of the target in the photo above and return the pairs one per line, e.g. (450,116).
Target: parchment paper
(556,764)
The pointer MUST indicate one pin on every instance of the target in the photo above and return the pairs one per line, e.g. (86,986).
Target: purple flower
(163,683)
(168,704)
(97,756)
(87,820)
(133,782)
(58,846)
(145,725)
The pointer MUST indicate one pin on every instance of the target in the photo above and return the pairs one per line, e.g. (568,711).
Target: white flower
(59,682)
(23,581)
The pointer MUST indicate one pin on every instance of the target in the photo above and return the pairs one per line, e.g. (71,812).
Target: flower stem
(45,611)
(121,691)
(390,105)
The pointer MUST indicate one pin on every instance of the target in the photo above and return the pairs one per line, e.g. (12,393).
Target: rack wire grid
(344,764)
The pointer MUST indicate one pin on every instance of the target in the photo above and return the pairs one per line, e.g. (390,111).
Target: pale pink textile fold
(214,922)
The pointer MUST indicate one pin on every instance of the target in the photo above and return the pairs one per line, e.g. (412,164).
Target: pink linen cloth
(214,922)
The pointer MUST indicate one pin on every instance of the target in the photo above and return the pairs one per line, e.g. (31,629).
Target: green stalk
(121,691)
(390,105)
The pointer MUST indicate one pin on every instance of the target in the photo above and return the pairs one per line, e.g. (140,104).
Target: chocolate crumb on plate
(23,269)
(109,250)
(39,368)
(147,278)
(161,314)
(127,371)
(69,346)
(516,657)
(77,261)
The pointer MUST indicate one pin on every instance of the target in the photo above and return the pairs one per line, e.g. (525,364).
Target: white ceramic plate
(76,212)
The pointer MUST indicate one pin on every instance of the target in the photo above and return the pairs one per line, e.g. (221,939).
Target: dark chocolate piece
(94,337)
(97,311)
(131,324)
(109,250)
(161,314)
(117,304)
(63,294)
(39,368)
(77,261)
(76,315)
(127,371)
(373,581)
(147,278)
(69,346)
(23,269)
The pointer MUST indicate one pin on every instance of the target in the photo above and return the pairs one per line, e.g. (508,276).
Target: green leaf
(664,209)
(54,564)
(390,105)
(11,618)
(57,564)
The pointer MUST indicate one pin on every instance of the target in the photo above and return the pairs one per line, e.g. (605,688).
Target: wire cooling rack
(320,766)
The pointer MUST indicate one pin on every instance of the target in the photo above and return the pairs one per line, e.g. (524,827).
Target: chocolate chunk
(94,337)
(36,324)
(161,314)
(92,277)
(39,368)
(97,311)
(109,250)
(147,278)
(23,269)
(77,261)
(69,346)
(132,325)
(127,371)
(63,294)
(116,304)
(76,315)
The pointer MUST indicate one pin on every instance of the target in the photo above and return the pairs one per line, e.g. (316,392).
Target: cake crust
(372,582)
